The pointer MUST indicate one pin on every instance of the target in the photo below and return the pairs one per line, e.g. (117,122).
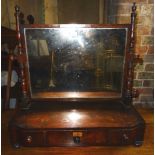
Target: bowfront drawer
(76,138)
(88,137)
(121,137)
(32,138)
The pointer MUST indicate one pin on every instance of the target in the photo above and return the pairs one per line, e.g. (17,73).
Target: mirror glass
(75,59)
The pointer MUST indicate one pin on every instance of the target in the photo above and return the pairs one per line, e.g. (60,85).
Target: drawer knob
(29,139)
(76,139)
(125,137)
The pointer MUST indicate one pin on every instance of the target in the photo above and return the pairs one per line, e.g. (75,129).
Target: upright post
(21,56)
(129,93)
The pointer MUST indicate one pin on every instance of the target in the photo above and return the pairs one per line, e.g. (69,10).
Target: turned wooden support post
(130,92)
(20,52)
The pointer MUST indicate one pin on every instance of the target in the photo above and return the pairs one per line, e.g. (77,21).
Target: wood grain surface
(76,115)
(146,149)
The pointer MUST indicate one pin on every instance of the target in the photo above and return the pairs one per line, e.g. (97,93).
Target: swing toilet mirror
(76,61)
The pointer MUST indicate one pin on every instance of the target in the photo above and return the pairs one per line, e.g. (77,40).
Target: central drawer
(76,137)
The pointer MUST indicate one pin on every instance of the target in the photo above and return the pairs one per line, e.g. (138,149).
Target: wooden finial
(134,7)
(133,14)
(17,8)
(17,13)
(133,19)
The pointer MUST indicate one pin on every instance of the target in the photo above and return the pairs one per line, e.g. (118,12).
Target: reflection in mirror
(76,59)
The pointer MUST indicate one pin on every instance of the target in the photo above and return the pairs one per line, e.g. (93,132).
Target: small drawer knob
(29,139)
(76,139)
(125,137)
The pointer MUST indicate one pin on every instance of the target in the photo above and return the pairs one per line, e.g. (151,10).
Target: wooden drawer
(32,138)
(88,137)
(121,136)
(76,137)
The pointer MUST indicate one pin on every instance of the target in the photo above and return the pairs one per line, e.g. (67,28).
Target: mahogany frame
(127,91)
(108,124)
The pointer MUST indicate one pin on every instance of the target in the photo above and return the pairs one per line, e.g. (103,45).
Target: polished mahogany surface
(76,115)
